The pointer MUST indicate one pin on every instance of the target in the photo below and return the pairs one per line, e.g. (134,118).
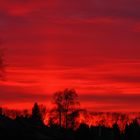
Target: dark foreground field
(24,128)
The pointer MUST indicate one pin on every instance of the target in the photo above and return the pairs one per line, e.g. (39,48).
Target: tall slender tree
(57,100)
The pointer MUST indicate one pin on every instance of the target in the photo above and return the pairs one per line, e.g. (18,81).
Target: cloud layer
(92,46)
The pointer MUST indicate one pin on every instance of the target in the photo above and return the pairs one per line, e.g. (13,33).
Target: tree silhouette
(43,111)
(22,127)
(66,103)
(38,113)
(1,112)
(82,132)
(2,65)
(116,131)
(132,131)
(72,118)
(58,98)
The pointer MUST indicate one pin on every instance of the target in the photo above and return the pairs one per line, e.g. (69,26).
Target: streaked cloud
(92,46)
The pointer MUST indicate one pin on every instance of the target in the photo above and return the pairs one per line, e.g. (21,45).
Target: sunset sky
(92,46)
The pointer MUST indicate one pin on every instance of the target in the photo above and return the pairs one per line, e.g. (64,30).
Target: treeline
(65,111)
(63,123)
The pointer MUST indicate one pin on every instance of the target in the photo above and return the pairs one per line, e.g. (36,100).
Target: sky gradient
(90,45)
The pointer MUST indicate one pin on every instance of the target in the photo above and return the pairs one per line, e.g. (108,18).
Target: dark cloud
(74,9)
(112,102)
(114,98)
(135,79)
(97,8)
(14,94)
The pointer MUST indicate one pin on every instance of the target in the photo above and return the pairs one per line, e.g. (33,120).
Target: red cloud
(92,46)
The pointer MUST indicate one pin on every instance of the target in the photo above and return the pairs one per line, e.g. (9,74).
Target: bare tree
(43,111)
(72,118)
(57,100)
(66,102)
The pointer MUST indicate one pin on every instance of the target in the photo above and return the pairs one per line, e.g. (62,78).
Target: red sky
(90,45)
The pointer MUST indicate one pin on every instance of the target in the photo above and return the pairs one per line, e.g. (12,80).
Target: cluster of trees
(131,132)
(32,127)
(64,113)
